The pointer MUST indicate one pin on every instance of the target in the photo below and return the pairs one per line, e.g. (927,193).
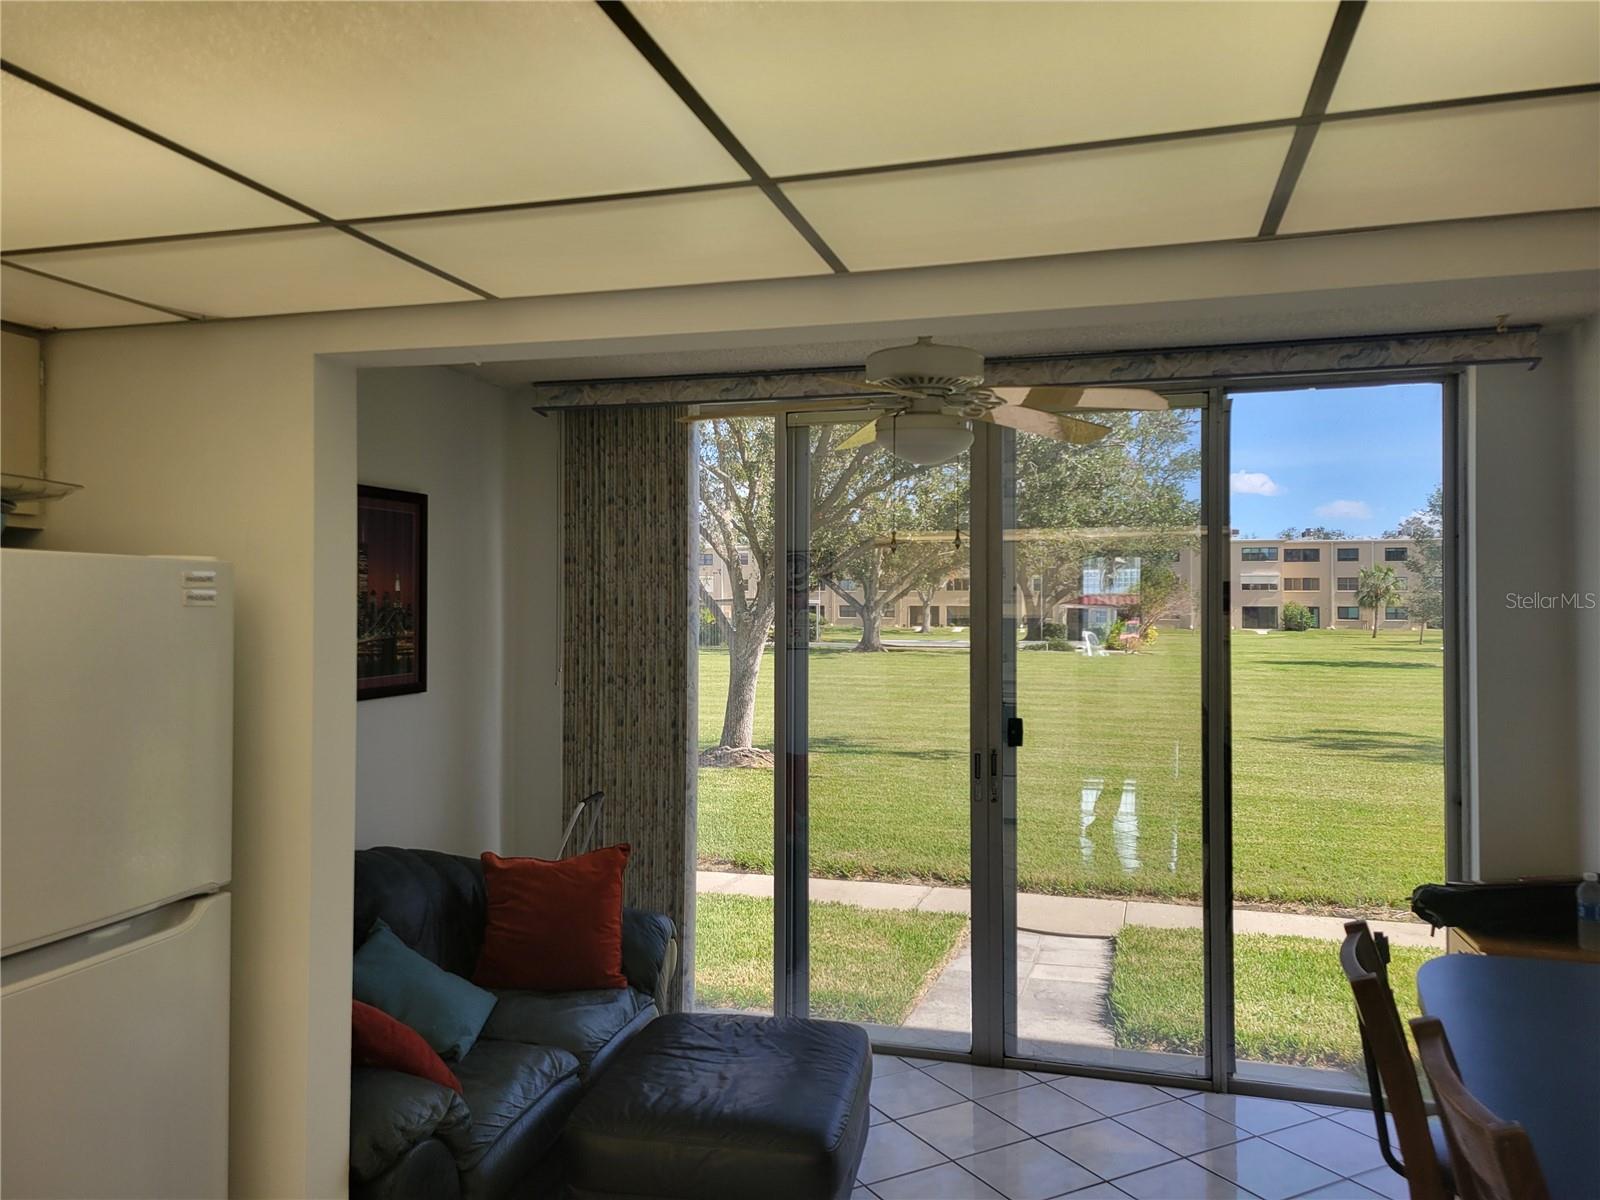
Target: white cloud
(1252,483)
(1348,510)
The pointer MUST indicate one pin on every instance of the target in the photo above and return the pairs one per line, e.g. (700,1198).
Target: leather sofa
(526,1072)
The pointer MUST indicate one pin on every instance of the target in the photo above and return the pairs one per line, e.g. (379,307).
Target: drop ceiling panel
(365,109)
(305,271)
(702,238)
(1471,162)
(811,87)
(1193,190)
(71,176)
(46,304)
(1406,52)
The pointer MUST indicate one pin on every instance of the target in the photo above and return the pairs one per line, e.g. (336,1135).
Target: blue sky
(1357,459)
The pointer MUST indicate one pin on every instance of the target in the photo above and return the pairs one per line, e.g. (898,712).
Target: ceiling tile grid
(673,142)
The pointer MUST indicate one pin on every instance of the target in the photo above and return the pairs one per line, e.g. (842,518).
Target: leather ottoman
(702,1106)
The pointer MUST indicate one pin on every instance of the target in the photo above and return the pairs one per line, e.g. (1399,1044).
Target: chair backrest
(1385,1036)
(1491,1159)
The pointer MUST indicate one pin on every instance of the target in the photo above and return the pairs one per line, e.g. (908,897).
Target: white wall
(429,766)
(1526,671)
(234,438)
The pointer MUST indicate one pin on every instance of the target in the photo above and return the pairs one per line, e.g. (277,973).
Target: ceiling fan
(928,395)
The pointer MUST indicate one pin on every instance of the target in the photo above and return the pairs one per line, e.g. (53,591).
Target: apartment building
(1265,574)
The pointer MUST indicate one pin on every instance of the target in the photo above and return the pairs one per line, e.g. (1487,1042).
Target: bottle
(1589,912)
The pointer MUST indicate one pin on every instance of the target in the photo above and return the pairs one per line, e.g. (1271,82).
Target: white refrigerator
(116,815)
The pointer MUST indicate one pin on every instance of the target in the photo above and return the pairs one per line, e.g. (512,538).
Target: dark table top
(1526,1036)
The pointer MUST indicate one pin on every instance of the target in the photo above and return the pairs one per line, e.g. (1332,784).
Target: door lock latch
(1013,731)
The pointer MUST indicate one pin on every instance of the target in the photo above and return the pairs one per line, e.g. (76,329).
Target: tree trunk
(927,601)
(1377,612)
(1422,632)
(1033,615)
(871,628)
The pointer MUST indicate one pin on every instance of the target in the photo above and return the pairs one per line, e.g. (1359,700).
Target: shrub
(1114,634)
(710,631)
(1052,630)
(1296,618)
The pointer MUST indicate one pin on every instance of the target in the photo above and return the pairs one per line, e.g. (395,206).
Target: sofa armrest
(649,952)
(391,1112)
(427,1169)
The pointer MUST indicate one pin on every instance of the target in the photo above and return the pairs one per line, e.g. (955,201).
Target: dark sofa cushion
(581,1023)
(501,1081)
(390,1112)
(434,902)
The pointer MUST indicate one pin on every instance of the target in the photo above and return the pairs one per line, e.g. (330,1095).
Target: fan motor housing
(925,365)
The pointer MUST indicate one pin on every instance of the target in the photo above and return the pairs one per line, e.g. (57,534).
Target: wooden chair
(1493,1159)
(1425,1161)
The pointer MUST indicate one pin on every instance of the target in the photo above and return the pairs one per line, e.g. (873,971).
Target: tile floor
(948,1131)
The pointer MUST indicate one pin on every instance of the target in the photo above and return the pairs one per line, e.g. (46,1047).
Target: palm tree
(1377,587)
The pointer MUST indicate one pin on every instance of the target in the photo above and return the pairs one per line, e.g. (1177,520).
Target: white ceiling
(268,114)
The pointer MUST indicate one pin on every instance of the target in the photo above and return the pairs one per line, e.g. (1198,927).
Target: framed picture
(391,592)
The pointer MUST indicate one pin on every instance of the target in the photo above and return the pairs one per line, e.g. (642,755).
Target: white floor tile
(1028,1171)
(1039,1109)
(885,1065)
(1266,1170)
(1099,1191)
(1345,1189)
(874,1117)
(1386,1183)
(894,1151)
(1181,1127)
(1252,1113)
(977,1082)
(962,1129)
(1108,1149)
(1180,1180)
(1109,1096)
(1329,1144)
(947,1182)
(911,1092)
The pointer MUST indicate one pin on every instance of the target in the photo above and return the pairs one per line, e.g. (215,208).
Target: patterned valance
(1195,365)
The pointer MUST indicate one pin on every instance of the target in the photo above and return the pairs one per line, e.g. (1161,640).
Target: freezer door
(116,685)
(115,1046)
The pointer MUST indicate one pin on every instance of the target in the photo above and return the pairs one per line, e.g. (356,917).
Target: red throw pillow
(378,1040)
(553,926)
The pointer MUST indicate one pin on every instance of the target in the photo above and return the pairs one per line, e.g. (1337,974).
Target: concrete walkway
(1072,916)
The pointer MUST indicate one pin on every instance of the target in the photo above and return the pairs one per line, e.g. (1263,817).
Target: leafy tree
(737,476)
(1313,533)
(1425,557)
(1296,618)
(1376,587)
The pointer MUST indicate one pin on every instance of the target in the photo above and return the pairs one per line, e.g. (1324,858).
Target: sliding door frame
(992,775)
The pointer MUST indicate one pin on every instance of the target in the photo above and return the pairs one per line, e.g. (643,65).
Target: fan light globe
(925,439)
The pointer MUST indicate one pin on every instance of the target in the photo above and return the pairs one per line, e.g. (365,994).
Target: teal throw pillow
(445,1009)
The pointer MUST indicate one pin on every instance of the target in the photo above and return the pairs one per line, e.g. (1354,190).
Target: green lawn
(1292,1003)
(849,635)
(866,964)
(1337,760)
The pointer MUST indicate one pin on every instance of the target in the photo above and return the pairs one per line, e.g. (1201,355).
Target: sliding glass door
(1074,753)
(1102,588)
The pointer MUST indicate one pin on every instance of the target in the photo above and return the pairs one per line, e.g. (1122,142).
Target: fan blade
(1043,424)
(864,436)
(868,385)
(711,410)
(1064,399)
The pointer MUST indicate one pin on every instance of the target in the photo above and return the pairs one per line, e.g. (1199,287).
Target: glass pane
(1103,557)
(1338,712)
(887,753)
(733,571)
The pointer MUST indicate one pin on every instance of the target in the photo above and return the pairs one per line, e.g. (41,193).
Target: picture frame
(391,592)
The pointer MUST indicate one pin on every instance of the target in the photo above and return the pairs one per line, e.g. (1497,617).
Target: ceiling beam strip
(86,287)
(1334,51)
(166,143)
(628,25)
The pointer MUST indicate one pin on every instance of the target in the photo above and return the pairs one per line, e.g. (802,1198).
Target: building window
(1258,587)
(706,559)
(1258,553)
(1394,614)
(1349,612)
(1125,581)
(744,558)
(1402,583)
(1348,554)
(1301,554)
(1394,554)
(1301,585)
(958,614)
(1316,616)
(1035,583)
(958,585)
(1349,583)
(1094,581)
(1258,617)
